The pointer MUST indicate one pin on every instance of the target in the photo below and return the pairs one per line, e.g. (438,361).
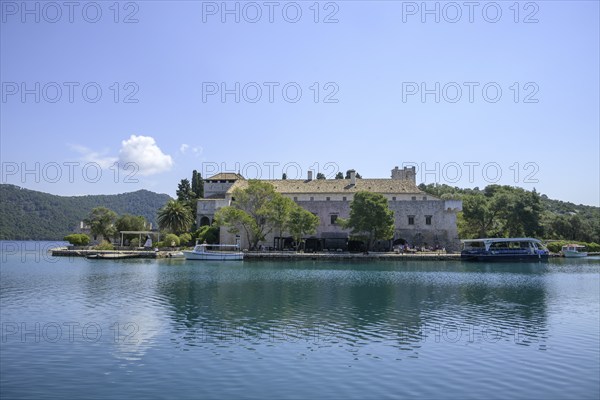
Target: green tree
(128,222)
(284,176)
(503,211)
(78,239)
(101,221)
(280,215)
(188,194)
(301,222)
(235,220)
(339,175)
(370,217)
(320,175)
(252,211)
(175,216)
(184,191)
(208,234)
(477,218)
(197,184)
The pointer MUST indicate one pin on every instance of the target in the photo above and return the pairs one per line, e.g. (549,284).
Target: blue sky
(489,93)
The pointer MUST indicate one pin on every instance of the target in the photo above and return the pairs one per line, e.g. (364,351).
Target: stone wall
(216,188)
(441,232)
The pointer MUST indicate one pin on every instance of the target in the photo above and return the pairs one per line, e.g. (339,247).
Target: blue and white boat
(504,249)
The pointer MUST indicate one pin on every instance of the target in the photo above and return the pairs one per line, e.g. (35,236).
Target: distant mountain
(30,215)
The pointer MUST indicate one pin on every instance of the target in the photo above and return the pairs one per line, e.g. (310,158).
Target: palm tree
(175,216)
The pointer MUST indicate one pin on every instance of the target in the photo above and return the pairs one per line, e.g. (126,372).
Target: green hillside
(30,215)
(506,211)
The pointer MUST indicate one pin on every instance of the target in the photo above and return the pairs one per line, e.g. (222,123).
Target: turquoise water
(73,327)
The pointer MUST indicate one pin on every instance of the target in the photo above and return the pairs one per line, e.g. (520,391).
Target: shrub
(135,242)
(185,238)
(104,245)
(593,247)
(78,239)
(171,240)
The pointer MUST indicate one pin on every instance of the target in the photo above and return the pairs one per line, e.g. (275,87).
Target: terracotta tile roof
(225,176)
(384,186)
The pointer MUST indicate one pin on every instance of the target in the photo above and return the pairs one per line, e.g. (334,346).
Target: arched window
(204,221)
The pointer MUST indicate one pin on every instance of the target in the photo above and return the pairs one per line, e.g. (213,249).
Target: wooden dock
(114,253)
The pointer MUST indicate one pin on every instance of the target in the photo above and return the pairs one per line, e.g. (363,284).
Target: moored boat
(221,252)
(574,251)
(504,249)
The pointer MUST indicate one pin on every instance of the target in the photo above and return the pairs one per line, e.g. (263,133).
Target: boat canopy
(491,243)
(485,240)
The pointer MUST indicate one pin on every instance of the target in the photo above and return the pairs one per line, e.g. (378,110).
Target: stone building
(420,219)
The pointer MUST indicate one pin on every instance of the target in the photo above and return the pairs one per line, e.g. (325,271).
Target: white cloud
(90,156)
(195,151)
(145,153)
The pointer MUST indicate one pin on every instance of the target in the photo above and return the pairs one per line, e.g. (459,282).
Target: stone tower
(405,174)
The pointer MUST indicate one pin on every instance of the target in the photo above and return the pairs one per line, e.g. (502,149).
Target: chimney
(310,175)
(352,177)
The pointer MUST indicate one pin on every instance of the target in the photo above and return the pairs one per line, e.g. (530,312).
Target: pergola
(140,233)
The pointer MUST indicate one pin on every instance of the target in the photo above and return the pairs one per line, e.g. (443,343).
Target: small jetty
(112,254)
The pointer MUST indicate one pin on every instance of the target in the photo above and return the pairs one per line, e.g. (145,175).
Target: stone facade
(420,219)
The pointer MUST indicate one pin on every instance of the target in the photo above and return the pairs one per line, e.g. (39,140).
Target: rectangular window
(344,198)
(334,218)
(414,197)
(312,198)
(411,219)
(328,198)
(394,198)
(295,198)
(428,220)
(424,197)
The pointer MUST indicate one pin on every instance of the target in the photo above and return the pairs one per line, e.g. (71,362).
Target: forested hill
(30,215)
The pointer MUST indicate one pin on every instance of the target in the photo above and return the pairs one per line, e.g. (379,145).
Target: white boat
(574,251)
(222,252)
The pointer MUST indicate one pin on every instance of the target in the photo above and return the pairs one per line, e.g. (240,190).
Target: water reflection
(403,306)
